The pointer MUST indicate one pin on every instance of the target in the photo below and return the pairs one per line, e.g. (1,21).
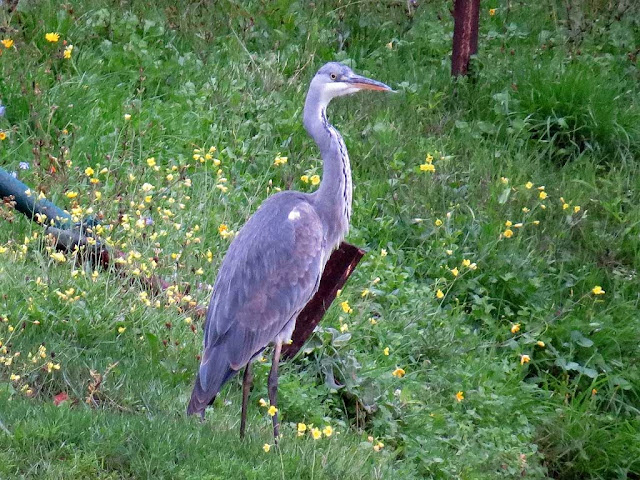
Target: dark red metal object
(466,14)
(336,272)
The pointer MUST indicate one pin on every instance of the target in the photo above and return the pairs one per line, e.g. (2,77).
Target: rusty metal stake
(466,14)
(336,272)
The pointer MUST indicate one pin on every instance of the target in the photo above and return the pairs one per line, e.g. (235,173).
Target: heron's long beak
(365,83)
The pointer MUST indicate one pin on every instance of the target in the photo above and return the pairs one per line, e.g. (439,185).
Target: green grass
(544,105)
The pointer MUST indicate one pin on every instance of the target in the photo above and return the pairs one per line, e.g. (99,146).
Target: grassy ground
(482,273)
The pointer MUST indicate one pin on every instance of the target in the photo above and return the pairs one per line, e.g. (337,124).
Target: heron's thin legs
(273,387)
(246,388)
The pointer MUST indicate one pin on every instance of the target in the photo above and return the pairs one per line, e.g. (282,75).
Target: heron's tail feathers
(202,397)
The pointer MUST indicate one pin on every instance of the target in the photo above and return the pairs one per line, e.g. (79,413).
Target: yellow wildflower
(508,223)
(52,366)
(565,206)
(386,351)
(543,195)
(508,233)
(492,11)
(316,433)
(528,185)
(305,178)
(58,257)
(262,402)
(266,447)
(378,446)
(67,52)
(151,161)
(466,262)
(524,359)
(272,410)
(302,427)
(515,328)
(7,42)
(439,294)
(597,290)
(346,308)
(398,372)
(127,117)
(3,136)
(89,171)
(438,222)
(52,37)
(540,343)
(71,194)
(383,252)
(576,209)
(460,396)
(327,430)
(280,160)
(427,167)
(121,329)
(315,179)
(454,271)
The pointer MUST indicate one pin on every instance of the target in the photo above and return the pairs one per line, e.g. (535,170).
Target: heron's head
(335,80)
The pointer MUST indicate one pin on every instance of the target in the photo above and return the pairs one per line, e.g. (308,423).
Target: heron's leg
(273,387)
(246,388)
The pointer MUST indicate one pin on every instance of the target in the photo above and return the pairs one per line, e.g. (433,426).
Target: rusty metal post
(466,14)
(336,272)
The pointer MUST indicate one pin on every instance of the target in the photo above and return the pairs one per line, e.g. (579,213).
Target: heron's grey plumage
(273,266)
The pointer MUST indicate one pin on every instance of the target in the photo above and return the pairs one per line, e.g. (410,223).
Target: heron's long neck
(333,197)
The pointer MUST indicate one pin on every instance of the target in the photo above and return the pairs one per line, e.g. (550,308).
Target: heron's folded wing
(271,271)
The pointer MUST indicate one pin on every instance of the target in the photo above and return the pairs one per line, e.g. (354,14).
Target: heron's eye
(333,76)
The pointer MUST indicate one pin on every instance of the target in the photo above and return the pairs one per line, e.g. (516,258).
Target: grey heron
(274,264)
